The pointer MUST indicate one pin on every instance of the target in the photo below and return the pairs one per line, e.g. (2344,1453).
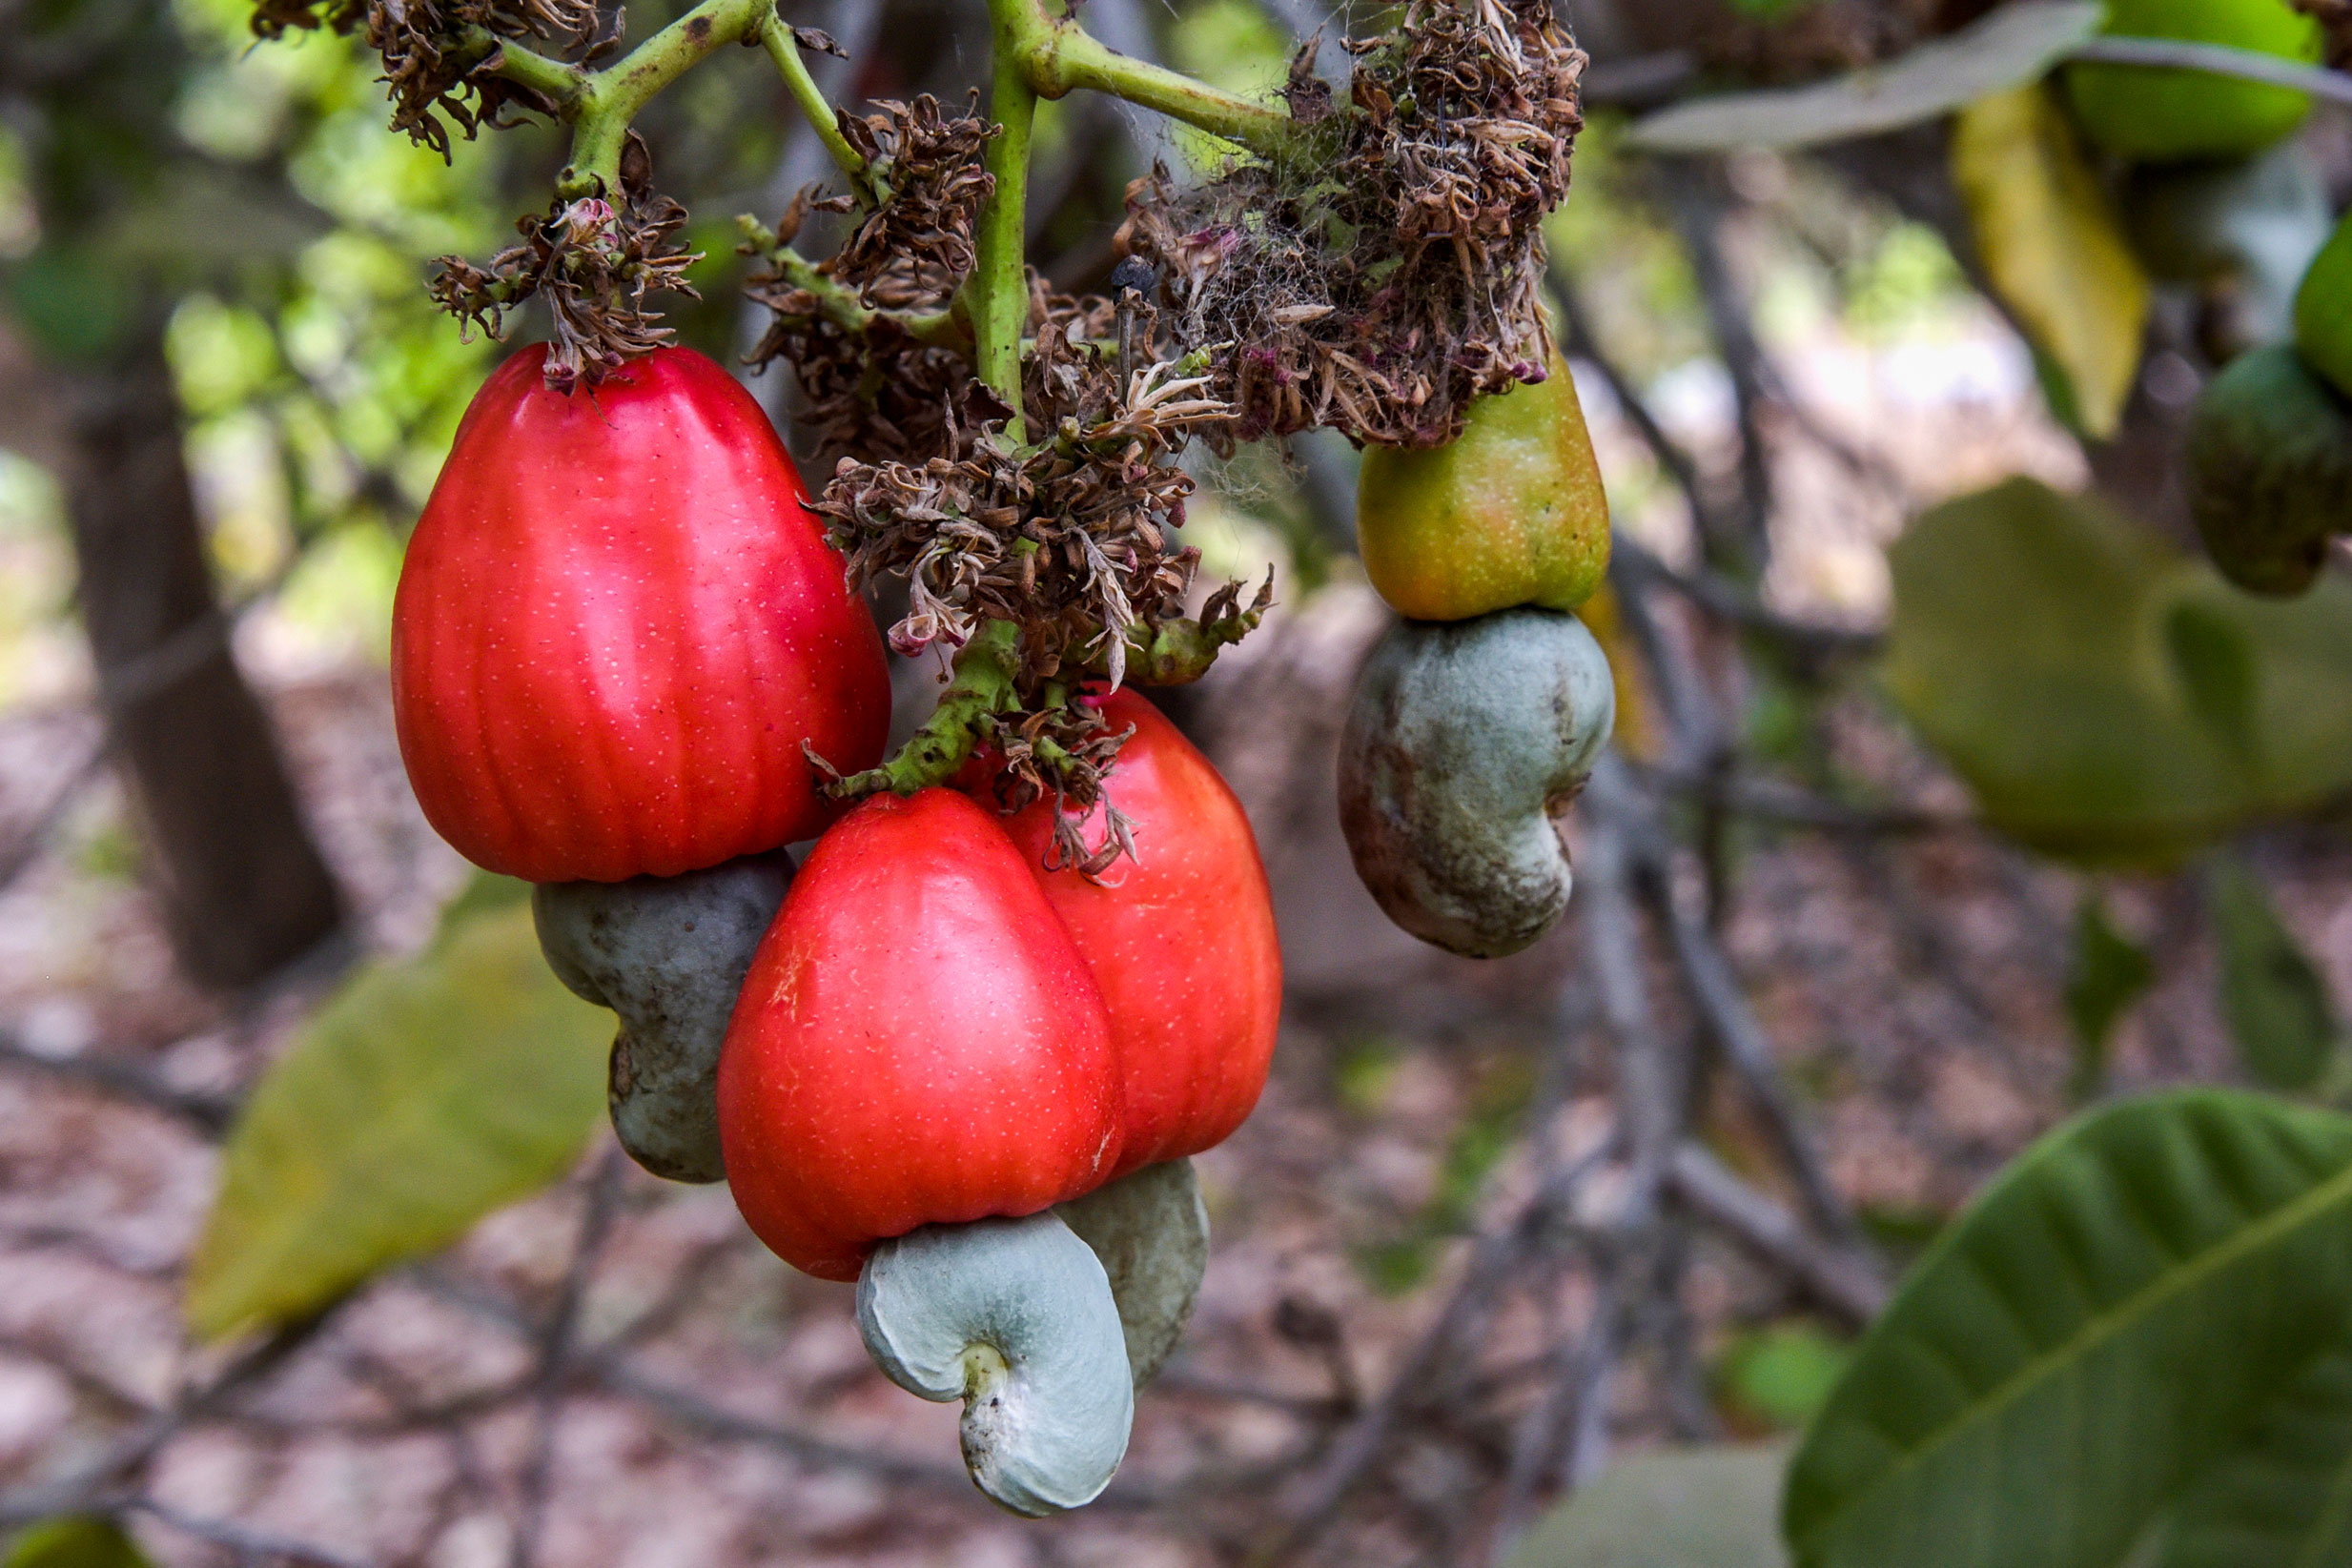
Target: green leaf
(483,892)
(2107,975)
(75,1540)
(426,1095)
(1684,1508)
(2273,997)
(2118,1322)
(2053,250)
(2283,1497)
(2013,44)
(2108,700)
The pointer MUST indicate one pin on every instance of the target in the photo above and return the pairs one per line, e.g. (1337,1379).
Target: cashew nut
(1015,1318)
(668,954)
(1149,1230)
(1462,737)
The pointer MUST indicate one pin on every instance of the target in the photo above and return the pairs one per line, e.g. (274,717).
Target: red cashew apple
(1180,939)
(918,1042)
(616,625)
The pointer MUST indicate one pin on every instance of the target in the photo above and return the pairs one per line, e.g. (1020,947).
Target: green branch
(839,303)
(995,298)
(551,79)
(983,687)
(785,51)
(1057,54)
(608,100)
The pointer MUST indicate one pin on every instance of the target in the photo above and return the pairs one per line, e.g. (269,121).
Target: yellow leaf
(428,1093)
(2052,246)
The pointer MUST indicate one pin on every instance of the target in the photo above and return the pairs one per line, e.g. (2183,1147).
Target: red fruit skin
(616,623)
(918,1042)
(1181,940)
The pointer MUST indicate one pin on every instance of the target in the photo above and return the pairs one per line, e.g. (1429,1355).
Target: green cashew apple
(2165,115)
(668,954)
(1509,513)
(2324,310)
(2270,469)
(1463,738)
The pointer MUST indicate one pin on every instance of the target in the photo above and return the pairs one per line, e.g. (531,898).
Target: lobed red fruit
(1180,939)
(918,1042)
(616,625)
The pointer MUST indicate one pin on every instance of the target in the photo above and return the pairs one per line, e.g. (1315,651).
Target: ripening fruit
(1510,513)
(616,625)
(2270,469)
(2161,115)
(918,1042)
(1180,939)
(2323,310)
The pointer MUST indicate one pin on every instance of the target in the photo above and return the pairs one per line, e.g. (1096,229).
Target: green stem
(551,79)
(995,298)
(983,687)
(609,99)
(1057,54)
(839,303)
(785,51)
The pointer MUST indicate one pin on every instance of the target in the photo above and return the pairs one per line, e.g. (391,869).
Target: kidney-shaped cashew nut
(1462,738)
(668,954)
(1015,1318)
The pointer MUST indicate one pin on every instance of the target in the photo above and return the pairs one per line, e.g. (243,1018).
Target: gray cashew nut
(1462,738)
(668,954)
(1015,1318)
(1149,1230)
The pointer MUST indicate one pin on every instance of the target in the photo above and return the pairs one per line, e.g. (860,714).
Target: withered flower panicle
(432,55)
(917,244)
(1392,273)
(594,261)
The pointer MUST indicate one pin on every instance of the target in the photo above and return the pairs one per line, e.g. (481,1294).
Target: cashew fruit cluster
(934,1059)
(2270,441)
(1484,711)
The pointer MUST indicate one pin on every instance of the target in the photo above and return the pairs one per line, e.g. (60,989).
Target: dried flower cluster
(880,392)
(1068,537)
(1392,271)
(594,261)
(915,246)
(434,56)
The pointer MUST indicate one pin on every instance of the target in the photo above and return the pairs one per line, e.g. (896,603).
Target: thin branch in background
(99,1484)
(555,1349)
(1845,1283)
(1729,602)
(251,1545)
(1698,213)
(1584,343)
(1732,1024)
(123,1078)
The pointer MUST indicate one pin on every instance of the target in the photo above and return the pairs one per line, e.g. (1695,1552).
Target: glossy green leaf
(2108,700)
(2109,971)
(426,1095)
(2273,997)
(73,1541)
(2013,44)
(1682,1508)
(2122,1322)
